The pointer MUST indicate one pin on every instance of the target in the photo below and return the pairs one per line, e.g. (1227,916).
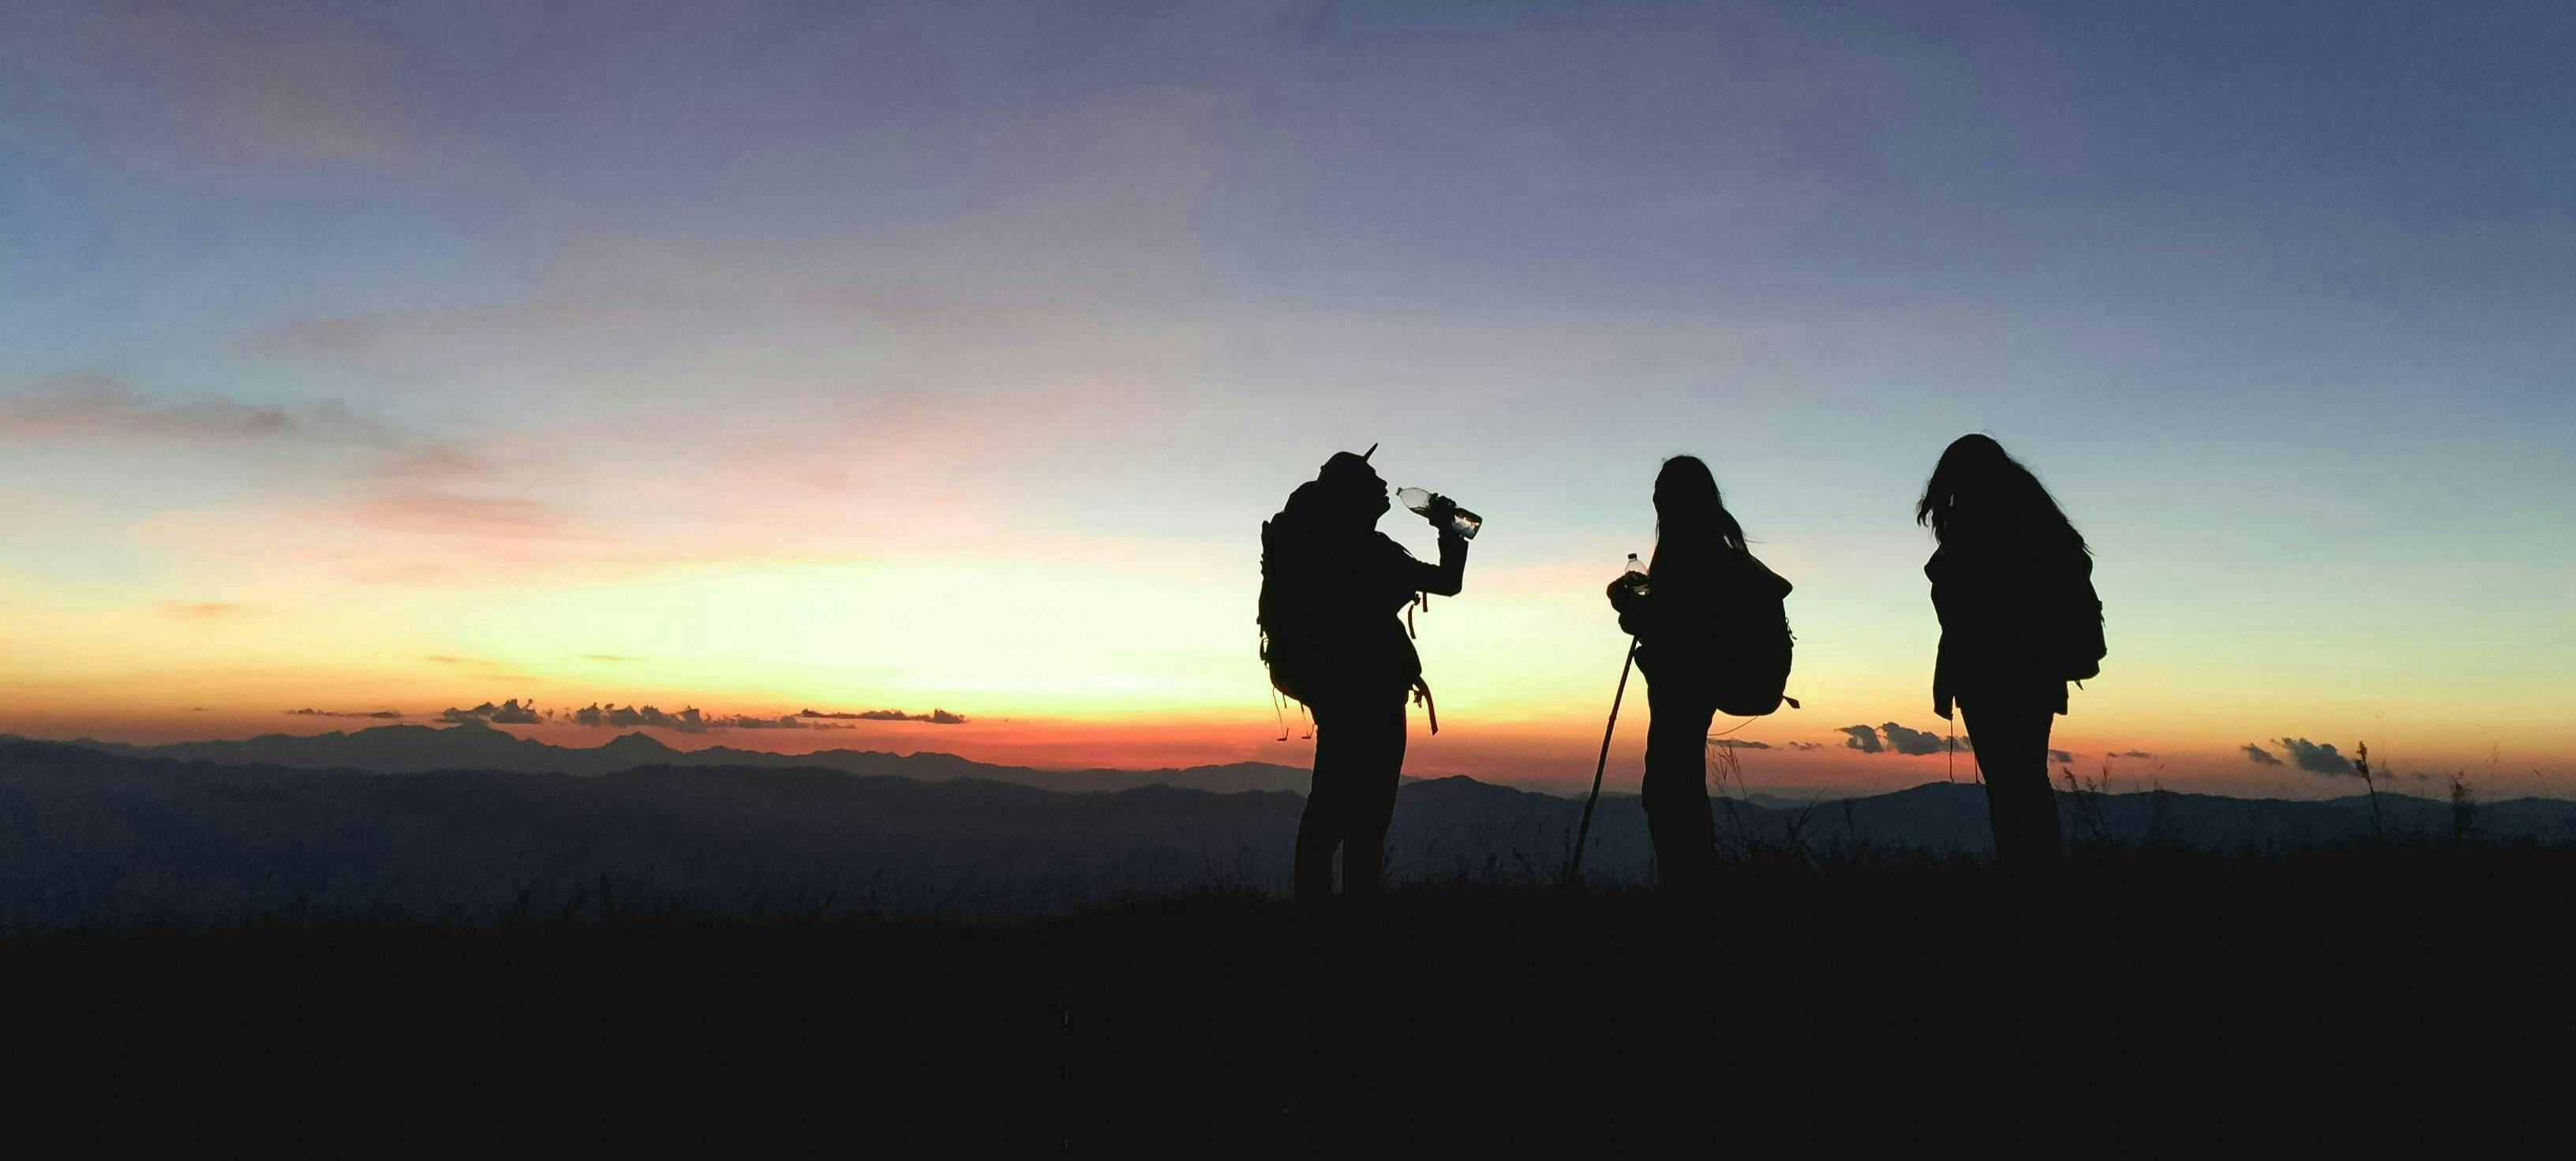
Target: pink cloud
(442,513)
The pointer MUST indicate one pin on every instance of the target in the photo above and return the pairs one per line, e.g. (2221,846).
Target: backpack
(1755,627)
(1287,607)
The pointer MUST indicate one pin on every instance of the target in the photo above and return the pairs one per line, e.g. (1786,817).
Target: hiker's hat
(1345,468)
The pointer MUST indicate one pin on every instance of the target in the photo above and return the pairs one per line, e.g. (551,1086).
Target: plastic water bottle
(1461,521)
(1637,568)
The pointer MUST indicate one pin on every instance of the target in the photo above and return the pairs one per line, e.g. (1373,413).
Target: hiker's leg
(1675,793)
(2011,737)
(1376,771)
(1319,829)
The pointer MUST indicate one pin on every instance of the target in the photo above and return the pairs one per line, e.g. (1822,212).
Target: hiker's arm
(1636,609)
(1448,577)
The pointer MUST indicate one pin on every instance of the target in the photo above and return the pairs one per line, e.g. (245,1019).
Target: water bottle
(1461,521)
(1636,568)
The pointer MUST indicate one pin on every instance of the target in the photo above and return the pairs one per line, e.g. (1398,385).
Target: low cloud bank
(1889,736)
(2312,757)
(687,721)
(936,717)
(2315,758)
(508,713)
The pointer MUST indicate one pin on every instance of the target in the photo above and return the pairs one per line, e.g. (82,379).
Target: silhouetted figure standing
(1698,650)
(1331,588)
(2012,582)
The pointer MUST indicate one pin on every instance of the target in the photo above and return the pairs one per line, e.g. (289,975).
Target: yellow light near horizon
(1115,638)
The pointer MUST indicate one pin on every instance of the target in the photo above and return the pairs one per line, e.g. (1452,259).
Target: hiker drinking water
(2012,582)
(1711,634)
(1331,585)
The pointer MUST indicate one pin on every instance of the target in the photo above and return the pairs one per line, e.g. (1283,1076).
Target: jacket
(2010,615)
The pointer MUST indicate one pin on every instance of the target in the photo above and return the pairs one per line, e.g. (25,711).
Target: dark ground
(1821,1004)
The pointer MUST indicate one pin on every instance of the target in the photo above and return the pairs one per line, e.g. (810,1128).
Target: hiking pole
(1574,866)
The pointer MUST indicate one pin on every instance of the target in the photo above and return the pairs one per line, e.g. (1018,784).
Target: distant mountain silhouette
(474,745)
(88,835)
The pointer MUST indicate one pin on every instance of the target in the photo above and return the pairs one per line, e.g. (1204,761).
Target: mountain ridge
(412,748)
(91,836)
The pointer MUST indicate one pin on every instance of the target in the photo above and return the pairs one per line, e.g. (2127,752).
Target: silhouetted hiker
(2013,584)
(1331,585)
(1711,634)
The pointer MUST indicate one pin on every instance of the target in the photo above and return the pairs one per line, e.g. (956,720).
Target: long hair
(1692,524)
(1979,493)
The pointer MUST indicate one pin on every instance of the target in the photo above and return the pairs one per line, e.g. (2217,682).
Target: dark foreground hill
(91,837)
(1888,1008)
(741,959)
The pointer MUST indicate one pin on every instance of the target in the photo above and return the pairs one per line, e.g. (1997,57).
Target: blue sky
(561,295)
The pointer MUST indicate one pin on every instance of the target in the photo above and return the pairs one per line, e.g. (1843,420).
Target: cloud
(2260,756)
(1742,743)
(2133,754)
(97,407)
(687,721)
(508,713)
(2061,757)
(201,608)
(789,722)
(388,715)
(936,717)
(1805,745)
(408,494)
(1889,737)
(2314,758)
(445,512)
(1915,742)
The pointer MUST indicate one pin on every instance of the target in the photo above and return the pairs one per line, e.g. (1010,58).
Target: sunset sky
(758,358)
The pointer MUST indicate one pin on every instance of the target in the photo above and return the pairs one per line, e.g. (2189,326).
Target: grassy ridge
(1227,1017)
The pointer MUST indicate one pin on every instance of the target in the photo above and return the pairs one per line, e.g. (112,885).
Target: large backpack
(1286,613)
(1754,626)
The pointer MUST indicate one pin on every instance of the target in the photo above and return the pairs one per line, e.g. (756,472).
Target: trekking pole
(1574,866)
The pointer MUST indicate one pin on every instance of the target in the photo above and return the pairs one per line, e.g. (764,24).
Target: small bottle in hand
(1442,512)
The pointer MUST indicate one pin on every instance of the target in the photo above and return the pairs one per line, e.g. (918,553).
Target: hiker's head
(1689,511)
(1351,488)
(1978,491)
